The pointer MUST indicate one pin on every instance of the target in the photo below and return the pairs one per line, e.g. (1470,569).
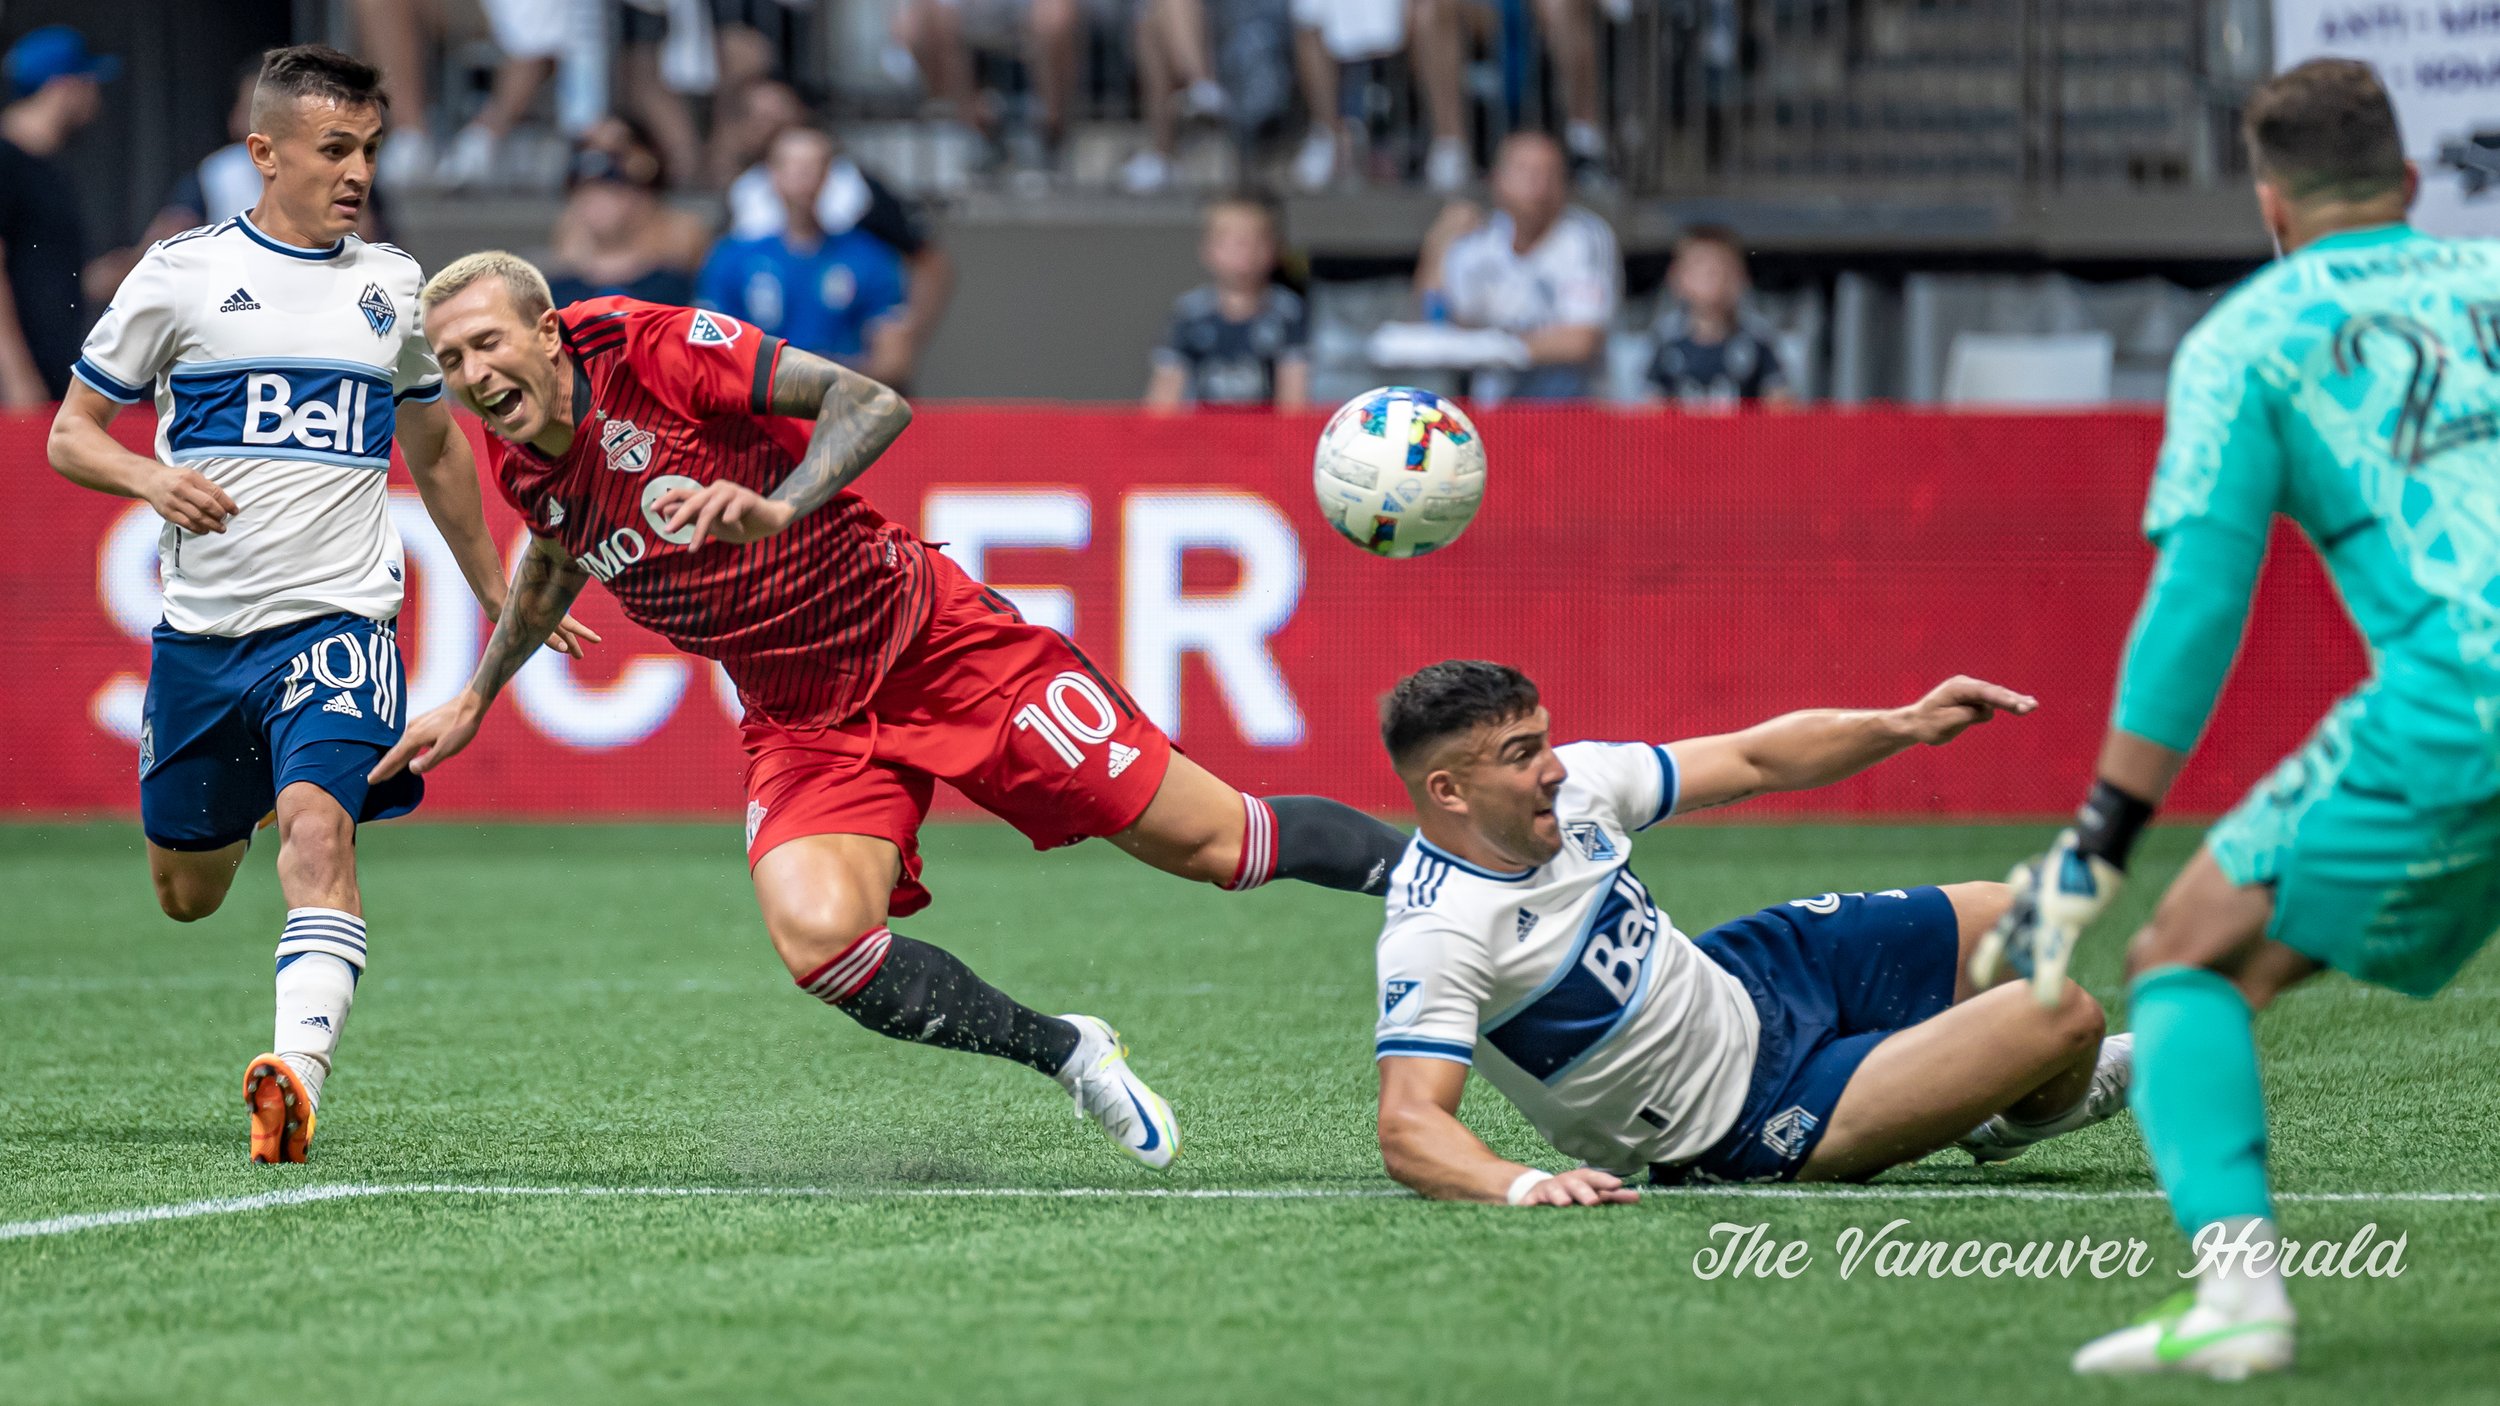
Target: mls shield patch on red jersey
(706,330)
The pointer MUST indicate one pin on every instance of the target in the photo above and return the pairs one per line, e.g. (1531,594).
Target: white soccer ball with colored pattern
(1399,471)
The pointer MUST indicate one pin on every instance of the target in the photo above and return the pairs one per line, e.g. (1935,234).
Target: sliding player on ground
(702,470)
(2354,387)
(1822,1040)
(284,357)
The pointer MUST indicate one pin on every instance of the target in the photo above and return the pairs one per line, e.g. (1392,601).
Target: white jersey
(1565,986)
(277,373)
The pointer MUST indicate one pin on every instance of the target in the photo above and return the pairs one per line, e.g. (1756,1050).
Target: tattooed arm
(545,587)
(856,418)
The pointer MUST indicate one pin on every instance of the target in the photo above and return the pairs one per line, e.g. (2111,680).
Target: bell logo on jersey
(709,331)
(628,447)
(271,416)
(1615,955)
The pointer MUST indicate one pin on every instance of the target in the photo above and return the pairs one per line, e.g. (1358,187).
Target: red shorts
(1005,711)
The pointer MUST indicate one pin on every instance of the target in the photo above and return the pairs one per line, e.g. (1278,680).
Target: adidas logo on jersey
(1121,755)
(342,704)
(1527,924)
(238,301)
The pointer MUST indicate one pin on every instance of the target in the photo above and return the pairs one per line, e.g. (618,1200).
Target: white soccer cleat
(2187,1337)
(1315,165)
(1110,1094)
(2002,1140)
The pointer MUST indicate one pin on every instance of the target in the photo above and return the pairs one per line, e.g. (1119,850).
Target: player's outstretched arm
(446,477)
(856,418)
(82,449)
(544,588)
(1800,751)
(1425,1146)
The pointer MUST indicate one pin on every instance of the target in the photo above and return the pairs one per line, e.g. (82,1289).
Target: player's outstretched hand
(432,739)
(570,636)
(185,498)
(1582,1186)
(1959,704)
(731,512)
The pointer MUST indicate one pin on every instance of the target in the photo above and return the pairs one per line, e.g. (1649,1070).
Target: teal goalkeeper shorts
(2366,879)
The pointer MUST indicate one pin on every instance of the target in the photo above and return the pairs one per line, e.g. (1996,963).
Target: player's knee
(1978,905)
(187,899)
(2078,1022)
(318,841)
(810,933)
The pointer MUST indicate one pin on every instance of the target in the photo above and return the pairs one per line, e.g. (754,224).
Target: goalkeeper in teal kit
(2353,386)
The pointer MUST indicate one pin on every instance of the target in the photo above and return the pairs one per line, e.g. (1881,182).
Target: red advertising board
(1661,575)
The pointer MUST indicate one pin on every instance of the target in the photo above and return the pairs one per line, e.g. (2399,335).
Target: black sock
(926,995)
(1317,841)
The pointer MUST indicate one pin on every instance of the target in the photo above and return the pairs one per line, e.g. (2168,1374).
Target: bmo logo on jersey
(329,412)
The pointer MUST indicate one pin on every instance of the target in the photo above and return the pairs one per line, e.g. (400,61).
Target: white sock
(1583,139)
(320,956)
(2229,1288)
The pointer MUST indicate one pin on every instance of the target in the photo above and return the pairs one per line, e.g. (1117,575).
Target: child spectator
(1242,338)
(1709,349)
(824,293)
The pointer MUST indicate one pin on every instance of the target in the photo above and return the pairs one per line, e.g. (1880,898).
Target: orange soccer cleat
(282,1111)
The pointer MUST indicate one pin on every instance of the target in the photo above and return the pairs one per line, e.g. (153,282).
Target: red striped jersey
(806,621)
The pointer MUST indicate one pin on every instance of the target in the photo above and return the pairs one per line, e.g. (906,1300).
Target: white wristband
(1526,1182)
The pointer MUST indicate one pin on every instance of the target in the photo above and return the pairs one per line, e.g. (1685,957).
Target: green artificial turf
(596,1007)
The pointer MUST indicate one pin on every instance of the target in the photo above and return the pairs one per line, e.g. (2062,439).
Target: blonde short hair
(521,280)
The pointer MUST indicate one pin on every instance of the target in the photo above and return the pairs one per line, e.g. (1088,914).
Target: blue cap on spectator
(54,51)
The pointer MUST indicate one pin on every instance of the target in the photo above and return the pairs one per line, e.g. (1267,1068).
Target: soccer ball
(1399,471)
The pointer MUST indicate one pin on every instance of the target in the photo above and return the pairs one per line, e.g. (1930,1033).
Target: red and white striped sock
(854,967)
(1258,845)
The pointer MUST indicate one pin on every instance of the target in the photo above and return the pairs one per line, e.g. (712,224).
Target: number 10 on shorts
(1062,720)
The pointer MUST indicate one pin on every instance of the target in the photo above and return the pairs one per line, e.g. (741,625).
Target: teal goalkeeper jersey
(2353,386)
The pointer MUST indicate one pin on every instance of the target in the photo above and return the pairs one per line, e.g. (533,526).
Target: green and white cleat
(1111,1096)
(2186,1337)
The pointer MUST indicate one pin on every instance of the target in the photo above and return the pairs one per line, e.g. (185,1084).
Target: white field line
(342,1191)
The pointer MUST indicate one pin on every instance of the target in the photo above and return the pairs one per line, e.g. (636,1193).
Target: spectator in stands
(852,199)
(1570,29)
(1541,269)
(1708,348)
(751,37)
(658,43)
(55,87)
(224,184)
(824,293)
(531,34)
(1241,338)
(1435,35)
(615,234)
(395,36)
(1175,80)
(942,34)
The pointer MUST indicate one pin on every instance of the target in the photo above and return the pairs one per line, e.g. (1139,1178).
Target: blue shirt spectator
(822,293)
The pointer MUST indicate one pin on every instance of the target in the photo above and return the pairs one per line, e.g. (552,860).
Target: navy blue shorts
(1830,977)
(233,720)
